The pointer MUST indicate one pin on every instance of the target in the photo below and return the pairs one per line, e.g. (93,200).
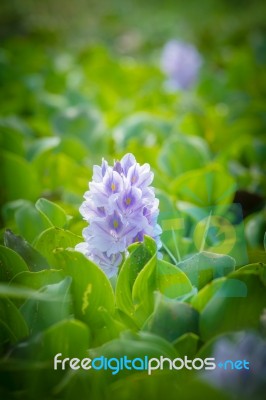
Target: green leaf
(162,384)
(11,264)
(172,319)
(40,314)
(258,269)
(256,255)
(187,345)
(77,122)
(200,300)
(9,209)
(42,145)
(143,292)
(36,280)
(17,125)
(136,345)
(61,174)
(19,179)
(54,214)
(73,147)
(236,305)
(34,260)
(55,238)
(255,226)
(142,128)
(110,330)
(90,288)
(183,153)
(203,267)
(171,281)
(61,337)
(139,255)
(20,292)
(167,204)
(157,275)
(193,387)
(30,222)
(205,187)
(15,328)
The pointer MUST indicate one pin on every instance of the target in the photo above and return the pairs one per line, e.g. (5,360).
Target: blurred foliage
(81,81)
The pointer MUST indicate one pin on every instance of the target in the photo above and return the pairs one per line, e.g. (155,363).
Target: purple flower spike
(120,208)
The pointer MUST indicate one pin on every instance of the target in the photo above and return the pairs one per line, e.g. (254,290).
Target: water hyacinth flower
(181,63)
(120,208)
(242,383)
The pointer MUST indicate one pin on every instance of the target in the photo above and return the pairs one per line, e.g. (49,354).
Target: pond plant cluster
(133,207)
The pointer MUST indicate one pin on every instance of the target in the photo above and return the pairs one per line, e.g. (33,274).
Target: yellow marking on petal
(85,298)
(133,179)
(128,201)
(113,187)
(115,223)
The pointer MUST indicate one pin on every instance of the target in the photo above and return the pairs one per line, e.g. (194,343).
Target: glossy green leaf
(165,383)
(171,281)
(201,298)
(172,319)
(236,305)
(60,173)
(111,328)
(208,186)
(54,214)
(34,260)
(61,337)
(183,153)
(13,326)
(30,222)
(143,291)
(255,229)
(39,314)
(55,238)
(136,345)
(258,269)
(73,147)
(78,121)
(21,292)
(11,264)
(256,255)
(187,345)
(157,275)
(203,267)
(36,280)
(142,128)
(9,208)
(40,146)
(167,204)
(139,255)
(90,287)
